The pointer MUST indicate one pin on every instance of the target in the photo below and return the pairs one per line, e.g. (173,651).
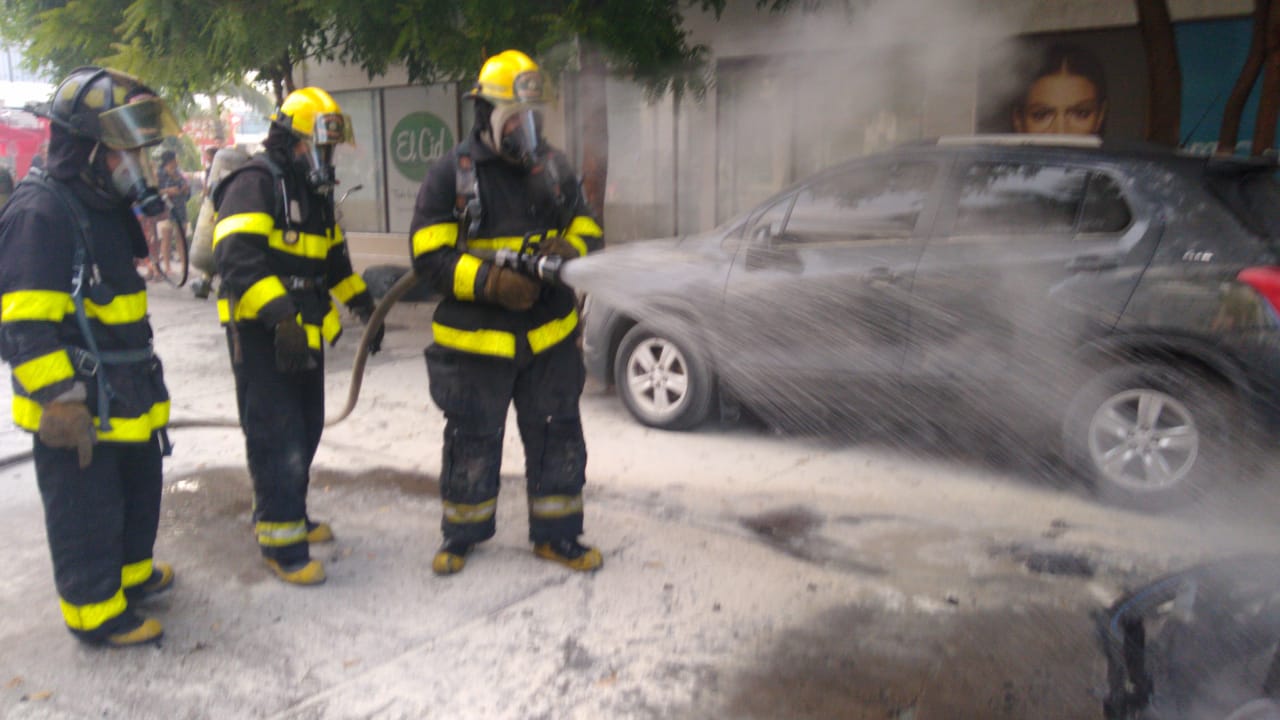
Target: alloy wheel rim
(1143,440)
(657,377)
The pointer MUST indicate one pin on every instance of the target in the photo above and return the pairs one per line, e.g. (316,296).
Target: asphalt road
(746,574)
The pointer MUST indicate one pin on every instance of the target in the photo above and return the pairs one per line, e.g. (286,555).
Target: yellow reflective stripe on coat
(434,237)
(47,305)
(555,506)
(137,429)
(464,277)
(313,335)
(254,223)
(44,371)
(92,616)
(254,299)
(495,244)
(331,325)
(279,534)
(481,342)
(460,514)
(307,245)
(54,306)
(545,336)
(134,574)
(581,228)
(349,288)
(27,413)
(122,309)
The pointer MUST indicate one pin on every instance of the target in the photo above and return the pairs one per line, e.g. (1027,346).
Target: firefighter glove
(510,289)
(364,311)
(557,245)
(292,353)
(68,425)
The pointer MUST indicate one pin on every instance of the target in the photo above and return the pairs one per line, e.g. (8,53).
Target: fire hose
(397,291)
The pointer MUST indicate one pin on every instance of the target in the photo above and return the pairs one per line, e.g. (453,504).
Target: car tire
(1150,436)
(663,379)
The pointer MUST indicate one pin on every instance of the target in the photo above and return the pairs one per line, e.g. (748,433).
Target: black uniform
(101,521)
(484,356)
(280,257)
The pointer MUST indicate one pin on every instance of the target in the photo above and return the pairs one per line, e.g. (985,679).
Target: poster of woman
(1094,82)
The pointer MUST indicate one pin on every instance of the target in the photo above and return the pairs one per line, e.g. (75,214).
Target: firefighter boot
(570,553)
(450,558)
(135,631)
(161,579)
(319,532)
(302,572)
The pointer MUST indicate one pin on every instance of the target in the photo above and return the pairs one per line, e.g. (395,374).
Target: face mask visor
(520,130)
(321,177)
(134,180)
(141,123)
(332,129)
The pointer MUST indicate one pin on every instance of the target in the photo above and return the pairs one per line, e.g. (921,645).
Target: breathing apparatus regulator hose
(397,291)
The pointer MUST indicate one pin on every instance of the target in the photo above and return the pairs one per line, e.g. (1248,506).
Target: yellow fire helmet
(312,114)
(509,77)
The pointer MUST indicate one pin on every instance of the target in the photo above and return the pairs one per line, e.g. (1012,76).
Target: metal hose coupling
(545,268)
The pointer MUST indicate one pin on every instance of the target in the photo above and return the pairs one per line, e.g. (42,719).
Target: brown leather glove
(69,425)
(558,246)
(510,289)
(292,353)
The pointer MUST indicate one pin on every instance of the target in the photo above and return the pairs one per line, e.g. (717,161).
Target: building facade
(788,94)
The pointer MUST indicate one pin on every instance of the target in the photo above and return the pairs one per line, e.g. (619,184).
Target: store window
(357,165)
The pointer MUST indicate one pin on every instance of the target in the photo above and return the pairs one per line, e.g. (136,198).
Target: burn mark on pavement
(794,532)
(860,662)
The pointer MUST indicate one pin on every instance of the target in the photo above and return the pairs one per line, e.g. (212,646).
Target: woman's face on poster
(1061,103)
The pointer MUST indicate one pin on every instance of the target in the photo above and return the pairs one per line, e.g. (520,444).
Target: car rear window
(1254,198)
(1017,198)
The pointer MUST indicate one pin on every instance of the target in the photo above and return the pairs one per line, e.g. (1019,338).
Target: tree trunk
(1233,112)
(1164,74)
(593,121)
(1264,130)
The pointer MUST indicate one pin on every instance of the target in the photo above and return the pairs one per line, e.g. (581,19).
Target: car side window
(767,223)
(1009,198)
(1105,209)
(873,202)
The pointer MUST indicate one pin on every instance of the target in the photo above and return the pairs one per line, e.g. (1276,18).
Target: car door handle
(1092,263)
(882,273)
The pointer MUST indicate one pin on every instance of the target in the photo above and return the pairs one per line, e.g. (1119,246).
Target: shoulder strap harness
(86,278)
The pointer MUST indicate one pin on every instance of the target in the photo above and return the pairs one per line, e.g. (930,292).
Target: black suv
(1122,299)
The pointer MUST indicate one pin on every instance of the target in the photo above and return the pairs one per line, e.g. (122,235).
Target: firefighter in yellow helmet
(75,329)
(282,257)
(500,336)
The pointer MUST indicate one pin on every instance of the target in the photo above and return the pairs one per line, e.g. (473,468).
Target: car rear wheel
(1150,436)
(662,379)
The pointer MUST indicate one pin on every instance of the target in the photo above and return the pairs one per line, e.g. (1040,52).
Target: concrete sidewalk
(745,576)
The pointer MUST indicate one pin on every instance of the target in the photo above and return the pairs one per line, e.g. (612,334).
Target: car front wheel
(1150,436)
(662,379)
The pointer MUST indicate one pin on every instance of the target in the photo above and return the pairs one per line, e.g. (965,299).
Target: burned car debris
(1196,644)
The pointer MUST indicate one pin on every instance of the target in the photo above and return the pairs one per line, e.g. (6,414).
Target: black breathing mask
(519,129)
(316,165)
(134,180)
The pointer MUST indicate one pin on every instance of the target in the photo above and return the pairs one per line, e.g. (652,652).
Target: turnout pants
(282,415)
(474,391)
(101,524)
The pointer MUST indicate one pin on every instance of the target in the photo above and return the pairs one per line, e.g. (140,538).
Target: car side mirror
(774,255)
